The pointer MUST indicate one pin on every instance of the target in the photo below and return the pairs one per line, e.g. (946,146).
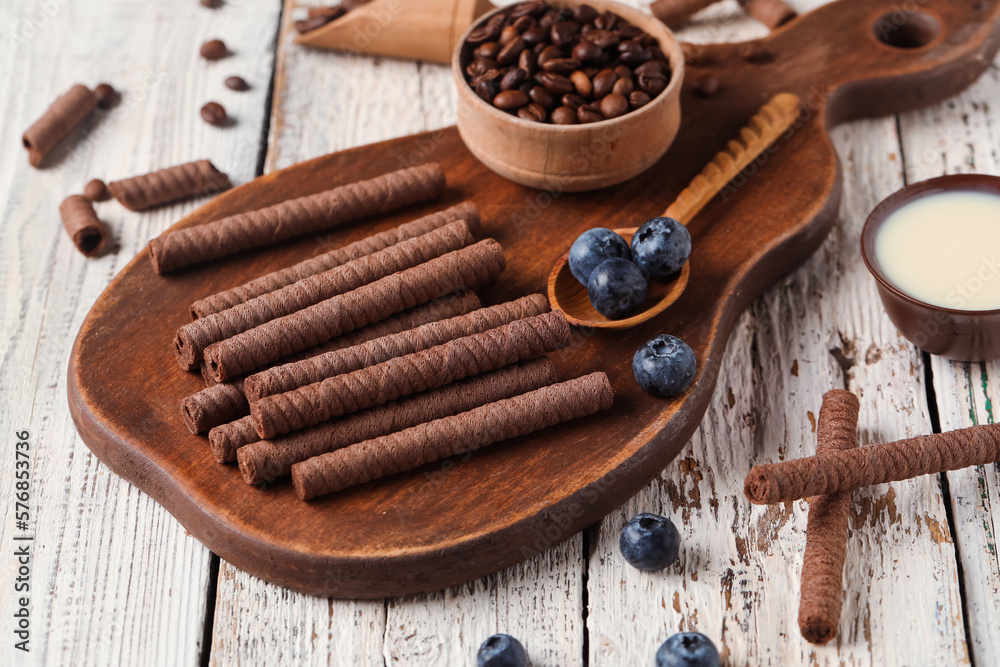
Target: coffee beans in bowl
(565,66)
(568,94)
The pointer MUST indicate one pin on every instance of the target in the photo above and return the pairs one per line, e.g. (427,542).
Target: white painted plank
(115,580)
(960,136)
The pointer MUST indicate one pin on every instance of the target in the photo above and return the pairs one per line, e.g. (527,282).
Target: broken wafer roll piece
(80,220)
(450,436)
(410,374)
(287,377)
(826,536)
(473,267)
(192,338)
(271,282)
(295,217)
(163,186)
(58,122)
(266,460)
(836,471)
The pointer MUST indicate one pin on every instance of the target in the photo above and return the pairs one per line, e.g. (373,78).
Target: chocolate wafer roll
(410,374)
(451,305)
(826,535)
(270,459)
(83,226)
(295,217)
(474,266)
(276,280)
(226,439)
(58,122)
(843,470)
(287,377)
(192,338)
(163,186)
(449,436)
(213,406)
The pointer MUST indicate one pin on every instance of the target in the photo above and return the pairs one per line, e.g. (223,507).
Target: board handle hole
(906,29)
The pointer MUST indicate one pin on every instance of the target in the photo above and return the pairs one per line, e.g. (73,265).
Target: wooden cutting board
(457,520)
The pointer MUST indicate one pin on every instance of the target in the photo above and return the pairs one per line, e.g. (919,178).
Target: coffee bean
(513,79)
(584,14)
(629,31)
(211,4)
(106,95)
(623,87)
(511,51)
(623,72)
(582,83)
(606,21)
(523,23)
(565,116)
(633,55)
(510,99)
(487,50)
(480,65)
(484,33)
(604,81)
(509,34)
(564,32)
(573,101)
(549,19)
(653,83)
(650,67)
(214,49)
(535,35)
(96,190)
(705,85)
(587,52)
(604,39)
(486,90)
(556,84)
(657,53)
(550,52)
(614,105)
(587,114)
(237,83)
(540,95)
(214,113)
(638,99)
(535,9)
(526,87)
(528,62)
(533,112)
(562,66)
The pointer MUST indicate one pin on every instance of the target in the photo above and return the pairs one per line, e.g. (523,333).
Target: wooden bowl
(568,295)
(572,157)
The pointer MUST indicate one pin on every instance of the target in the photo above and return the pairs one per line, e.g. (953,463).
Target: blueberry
(617,288)
(593,247)
(687,649)
(664,366)
(649,542)
(501,650)
(661,246)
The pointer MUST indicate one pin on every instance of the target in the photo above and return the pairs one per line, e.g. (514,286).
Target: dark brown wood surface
(454,521)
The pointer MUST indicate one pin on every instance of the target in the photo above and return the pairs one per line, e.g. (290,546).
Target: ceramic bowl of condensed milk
(934,250)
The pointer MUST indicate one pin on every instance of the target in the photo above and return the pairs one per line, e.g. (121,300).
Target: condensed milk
(944,249)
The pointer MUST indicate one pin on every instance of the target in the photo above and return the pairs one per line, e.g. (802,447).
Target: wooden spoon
(569,296)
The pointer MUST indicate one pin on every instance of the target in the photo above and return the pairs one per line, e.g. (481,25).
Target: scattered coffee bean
(211,4)
(564,66)
(96,190)
(582,83)
(214,113)
(614,105)
(107,96)
(510,99)
(564,116)
(214,49)
(533,112)
(237,83)
(705,85)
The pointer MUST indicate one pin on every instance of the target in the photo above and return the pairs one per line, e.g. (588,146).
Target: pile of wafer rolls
(373,358)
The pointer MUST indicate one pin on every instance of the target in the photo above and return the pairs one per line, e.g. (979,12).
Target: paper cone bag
(415,29)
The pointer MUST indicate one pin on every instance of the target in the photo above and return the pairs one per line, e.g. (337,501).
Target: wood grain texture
(959,137)
(115,579)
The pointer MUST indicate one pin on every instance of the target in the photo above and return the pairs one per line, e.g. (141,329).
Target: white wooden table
(116,580)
